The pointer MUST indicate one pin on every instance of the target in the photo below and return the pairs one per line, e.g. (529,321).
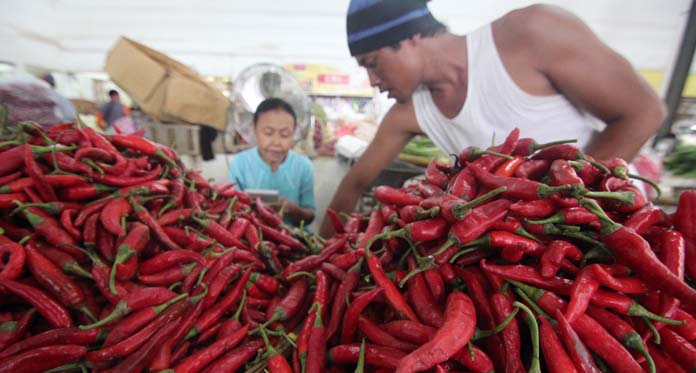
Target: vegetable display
(522,257)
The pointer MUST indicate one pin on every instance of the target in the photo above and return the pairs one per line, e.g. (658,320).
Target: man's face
(274,135)
(392,70)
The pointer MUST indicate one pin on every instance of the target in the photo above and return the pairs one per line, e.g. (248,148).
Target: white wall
(222,37)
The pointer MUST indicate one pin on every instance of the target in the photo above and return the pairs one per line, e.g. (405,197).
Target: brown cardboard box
(164,88)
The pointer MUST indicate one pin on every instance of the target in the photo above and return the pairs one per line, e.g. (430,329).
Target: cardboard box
(164,88)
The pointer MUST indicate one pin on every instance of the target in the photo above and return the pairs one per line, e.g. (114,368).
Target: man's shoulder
(537,20)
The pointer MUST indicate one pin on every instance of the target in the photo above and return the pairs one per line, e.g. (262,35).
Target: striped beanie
(373,24)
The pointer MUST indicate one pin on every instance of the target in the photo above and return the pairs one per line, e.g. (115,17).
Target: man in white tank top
(538,68)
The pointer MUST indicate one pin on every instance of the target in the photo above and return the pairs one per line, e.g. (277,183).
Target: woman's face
(275,131)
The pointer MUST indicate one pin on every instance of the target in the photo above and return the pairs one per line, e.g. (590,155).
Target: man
(538,68)
(112,111)
(65,107)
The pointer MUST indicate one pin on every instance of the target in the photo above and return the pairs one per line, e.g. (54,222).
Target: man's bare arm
(396,129)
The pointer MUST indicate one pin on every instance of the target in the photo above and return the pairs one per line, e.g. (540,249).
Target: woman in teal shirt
(272,165)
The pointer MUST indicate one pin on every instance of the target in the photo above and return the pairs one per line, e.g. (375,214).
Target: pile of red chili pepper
(115,257)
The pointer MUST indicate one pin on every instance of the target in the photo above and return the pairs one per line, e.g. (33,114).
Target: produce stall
(117,258)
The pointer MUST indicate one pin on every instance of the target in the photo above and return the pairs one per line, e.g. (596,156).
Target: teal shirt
(293,180)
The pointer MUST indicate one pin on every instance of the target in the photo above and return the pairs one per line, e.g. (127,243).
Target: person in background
(272,165)
(539,68)
(112,111)
(67,112)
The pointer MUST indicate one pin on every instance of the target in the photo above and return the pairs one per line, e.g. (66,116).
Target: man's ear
(414,40)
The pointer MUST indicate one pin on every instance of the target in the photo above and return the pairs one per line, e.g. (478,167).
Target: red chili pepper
(413,332)
(532,169)
(569,216)
(420,298)
(589,174)
(663,362)
(334,271)
(471,153)
(563,173)
(48,227)
(7,200)
(539,208)
(409,214)
(578,352)
(555,252)
(455,333)
(351,316)
(477,222)
(58,316)
(380,337)
(169,258)
(14,158)
(82,192)
(212,315)
(130,344)
(290,304)
(591,332)
(140,318)
(168,276)
(112,214)
(679,349)
(509,167)
(429,190)
(238,227)
(513,247)
(316,345)
(143,356)
(672,255)
(527,146)
(219,284)
(391,196)
(72,336)
(146,218)
(277,236)
(142,145)
(267,214)
(557,360)
(310,262)
(126,261)
(377,356)
(502,308)
(201,358)
(463,185)
(436,285)
(190,239)
(631,249)
(43,358)
(16,257)
(54,280)
(10,177)
(147,297)
(235,359)
(455,209)
(392,293)
(517,188)
(275,361)
(684,222)
(338,305)
(567,152)
(434,175)
(390,214)
(622,331)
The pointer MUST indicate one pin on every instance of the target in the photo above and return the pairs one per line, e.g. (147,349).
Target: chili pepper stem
(461,210)
(480,152)
(450,241)
(360,368)
(479,334)
(551,143)
(639,311)
(534,330)
(88,313)
(462,252)
(71,366)
(522,290)
(633,340)
(627,198)
(653,330)
(647,181)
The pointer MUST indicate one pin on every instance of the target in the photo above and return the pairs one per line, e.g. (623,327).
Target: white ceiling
(222,37)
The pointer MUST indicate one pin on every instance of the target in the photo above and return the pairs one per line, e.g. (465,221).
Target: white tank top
(496,105)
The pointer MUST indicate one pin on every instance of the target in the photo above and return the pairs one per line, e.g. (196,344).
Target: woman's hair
(271,104)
